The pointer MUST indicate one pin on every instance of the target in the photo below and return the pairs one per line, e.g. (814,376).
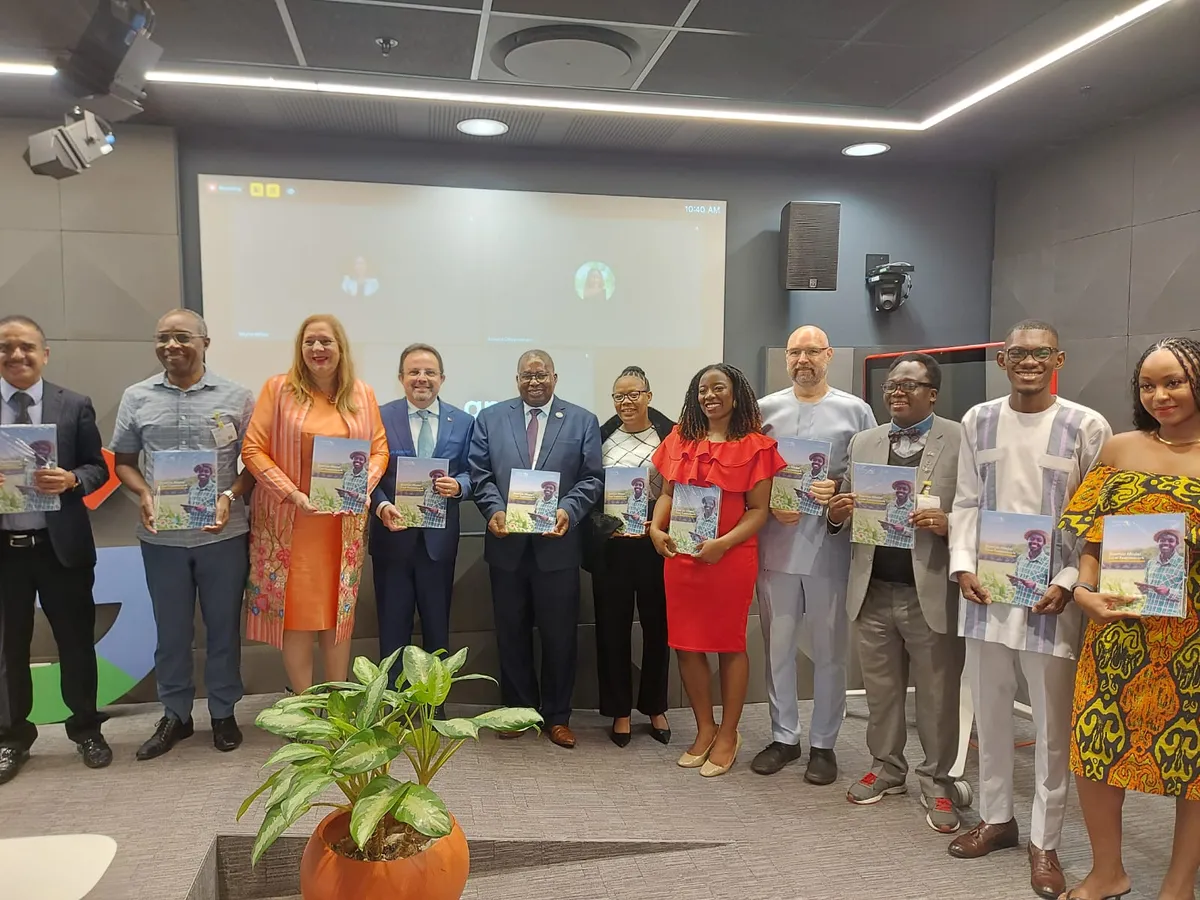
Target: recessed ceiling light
(482,127)
(868,149)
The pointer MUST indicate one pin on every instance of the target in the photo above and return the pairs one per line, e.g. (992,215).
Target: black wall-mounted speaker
(808,245)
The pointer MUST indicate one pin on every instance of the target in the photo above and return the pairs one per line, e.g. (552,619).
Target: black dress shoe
(662,735)
(11,760)
(167,733)
(822,766)
(226,734)
(620,738)
(95,752)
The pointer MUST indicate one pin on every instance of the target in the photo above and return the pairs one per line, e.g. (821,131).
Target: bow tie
(899,434)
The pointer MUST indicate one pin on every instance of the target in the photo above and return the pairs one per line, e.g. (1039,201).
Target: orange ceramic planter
(437,873)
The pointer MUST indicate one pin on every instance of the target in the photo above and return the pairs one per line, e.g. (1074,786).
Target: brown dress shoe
(984,838)
(561,735)
(1045,873)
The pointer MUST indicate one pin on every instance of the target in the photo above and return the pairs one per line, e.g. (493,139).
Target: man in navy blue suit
(414,567)
(535,578)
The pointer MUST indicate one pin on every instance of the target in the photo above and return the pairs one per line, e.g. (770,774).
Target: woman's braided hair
(1187,351)
(746,418)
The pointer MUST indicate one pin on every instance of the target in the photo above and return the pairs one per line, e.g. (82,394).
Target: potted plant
(390,838)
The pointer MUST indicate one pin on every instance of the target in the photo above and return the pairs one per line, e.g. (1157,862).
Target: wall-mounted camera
(889,285)
(70,148)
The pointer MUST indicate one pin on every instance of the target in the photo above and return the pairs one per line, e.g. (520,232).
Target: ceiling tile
(623,131)
(875,75)
(226,30)
(342,36)
(639,12)
(750,68)
(838,20)
(961,26)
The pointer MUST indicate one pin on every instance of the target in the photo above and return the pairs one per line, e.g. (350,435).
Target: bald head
(808,356)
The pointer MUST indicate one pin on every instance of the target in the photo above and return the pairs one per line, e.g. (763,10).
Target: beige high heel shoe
(690,761)
(712,770)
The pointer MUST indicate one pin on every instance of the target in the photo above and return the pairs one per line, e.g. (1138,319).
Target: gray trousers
(894,640)
(175,575)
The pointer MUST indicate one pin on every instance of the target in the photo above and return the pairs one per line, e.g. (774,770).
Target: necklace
(1162,440)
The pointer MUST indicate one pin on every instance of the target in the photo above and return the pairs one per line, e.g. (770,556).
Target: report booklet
(532,501)
(883,502)
(1145,558)
(23,450)
(419,504)
(339,475)
(695,512)
(627,497)
(1015,556)
(185,489)
(807,461)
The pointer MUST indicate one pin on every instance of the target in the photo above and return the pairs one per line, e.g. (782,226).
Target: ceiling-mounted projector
(71,147)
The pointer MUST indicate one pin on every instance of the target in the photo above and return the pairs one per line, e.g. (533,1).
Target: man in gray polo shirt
(187,407)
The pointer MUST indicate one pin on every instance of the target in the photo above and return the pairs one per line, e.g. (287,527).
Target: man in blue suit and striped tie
(414,567)
(535,577)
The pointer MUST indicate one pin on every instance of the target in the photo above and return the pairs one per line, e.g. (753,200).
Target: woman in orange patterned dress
(1136,721)
(305,565)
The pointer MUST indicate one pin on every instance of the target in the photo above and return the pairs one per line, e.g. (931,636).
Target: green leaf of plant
(284,722)
(283,784)
(474,676)
(368,749)
(294,753)
(368,709)
(301,701)
(377,798)
(319,730)
(386,665)
(512,719)
(305,788)
(455,728)
(433,685)
(365,670)
(455,662)
(417,666)
(327,686)
(269,783)
(423,810)
(274,824)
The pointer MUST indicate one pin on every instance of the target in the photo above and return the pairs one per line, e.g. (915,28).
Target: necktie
(896,435)
(21,402)
(531,434)
(425,435)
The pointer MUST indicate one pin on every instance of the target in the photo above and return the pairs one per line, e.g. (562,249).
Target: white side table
(54,867)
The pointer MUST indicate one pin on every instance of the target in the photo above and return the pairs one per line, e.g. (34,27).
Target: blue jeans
(174,576)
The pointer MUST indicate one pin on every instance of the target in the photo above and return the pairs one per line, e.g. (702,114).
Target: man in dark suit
(414,567)
(535,578)
(50,555)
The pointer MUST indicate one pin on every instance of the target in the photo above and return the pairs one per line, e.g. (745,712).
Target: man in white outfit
(803,569)
(1025,453)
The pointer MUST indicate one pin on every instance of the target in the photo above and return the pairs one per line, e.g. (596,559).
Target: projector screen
(599,282)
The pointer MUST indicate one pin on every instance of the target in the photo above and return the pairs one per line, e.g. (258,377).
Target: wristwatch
(230,494)
(1083,584)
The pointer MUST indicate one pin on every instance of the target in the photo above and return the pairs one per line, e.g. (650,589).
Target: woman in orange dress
(305,565)
(718,442)
(1136,719)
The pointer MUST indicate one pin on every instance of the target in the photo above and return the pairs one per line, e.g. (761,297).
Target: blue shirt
(156,415)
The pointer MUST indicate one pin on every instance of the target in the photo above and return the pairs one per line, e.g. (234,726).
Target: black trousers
(522,600)
(632,572)
(66,595)
(407,585)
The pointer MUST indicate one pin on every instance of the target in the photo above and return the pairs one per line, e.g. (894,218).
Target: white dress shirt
(8,416)
(543,420)
(414,421)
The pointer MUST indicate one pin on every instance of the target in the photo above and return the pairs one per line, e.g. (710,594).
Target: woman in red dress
(718,441)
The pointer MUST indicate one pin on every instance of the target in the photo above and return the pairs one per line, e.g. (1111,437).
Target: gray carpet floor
(782,839)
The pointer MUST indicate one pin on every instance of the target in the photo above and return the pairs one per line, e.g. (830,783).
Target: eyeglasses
(13,349)
(632,396)
(807,352)
(313,343)
(534,377)
(907,386)
(182,338)
(1019,354)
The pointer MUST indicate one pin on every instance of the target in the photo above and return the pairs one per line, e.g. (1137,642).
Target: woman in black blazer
(626,570)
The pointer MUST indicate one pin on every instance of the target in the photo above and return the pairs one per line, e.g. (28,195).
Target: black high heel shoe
(620,738)
(662,735)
